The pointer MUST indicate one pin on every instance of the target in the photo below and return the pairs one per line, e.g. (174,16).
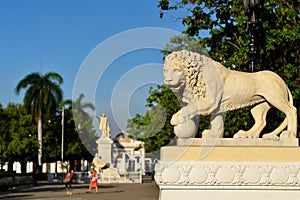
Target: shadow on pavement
(106,191)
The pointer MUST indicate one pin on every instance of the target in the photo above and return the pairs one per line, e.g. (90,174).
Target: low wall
(12,182)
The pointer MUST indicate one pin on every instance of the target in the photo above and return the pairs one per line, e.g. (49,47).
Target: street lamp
(252,10)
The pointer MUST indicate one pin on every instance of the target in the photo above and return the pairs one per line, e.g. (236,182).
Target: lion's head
(183,74)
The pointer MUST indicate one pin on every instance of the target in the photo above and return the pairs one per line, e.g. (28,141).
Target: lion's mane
(190,65)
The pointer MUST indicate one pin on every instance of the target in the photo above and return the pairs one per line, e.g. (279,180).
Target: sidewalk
(117,191)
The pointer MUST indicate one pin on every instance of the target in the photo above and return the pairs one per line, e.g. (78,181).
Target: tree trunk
(23,167)
(10,166)
(40,139)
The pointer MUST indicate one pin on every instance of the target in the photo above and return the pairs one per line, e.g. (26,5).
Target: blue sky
(60,36)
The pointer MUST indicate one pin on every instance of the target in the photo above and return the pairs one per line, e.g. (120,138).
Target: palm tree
(81,117)
(84,122)
(41,99)
(79,106)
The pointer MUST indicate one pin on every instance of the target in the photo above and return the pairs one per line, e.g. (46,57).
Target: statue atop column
(104,126)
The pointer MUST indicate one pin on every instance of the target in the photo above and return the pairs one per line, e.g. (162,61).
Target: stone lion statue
(208,88)
(98,163)
(104,168)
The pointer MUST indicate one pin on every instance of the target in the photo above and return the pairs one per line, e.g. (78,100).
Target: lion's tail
(284,124)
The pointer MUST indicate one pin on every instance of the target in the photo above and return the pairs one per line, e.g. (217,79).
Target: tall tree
(84,124)
(42,97)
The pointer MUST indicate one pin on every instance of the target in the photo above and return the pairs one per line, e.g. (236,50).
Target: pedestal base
(228,173)
(104,149)
(225,194)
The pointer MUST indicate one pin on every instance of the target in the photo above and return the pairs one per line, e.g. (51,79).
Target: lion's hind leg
(291,119)
(259,113)
(273,134)
(291,116)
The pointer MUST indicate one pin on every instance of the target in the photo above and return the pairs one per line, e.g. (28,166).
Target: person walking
(93,182)
(68,182)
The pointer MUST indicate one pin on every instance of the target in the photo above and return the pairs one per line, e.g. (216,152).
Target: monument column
(104,149)
(104,142)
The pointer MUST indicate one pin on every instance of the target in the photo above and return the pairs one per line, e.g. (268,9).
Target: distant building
(128,155)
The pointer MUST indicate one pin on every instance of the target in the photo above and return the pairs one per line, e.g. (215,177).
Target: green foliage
(19,142)
(52,139)
(183,42)
(228,40)
(43,93)
(18,136)
(5,137)
(74,149)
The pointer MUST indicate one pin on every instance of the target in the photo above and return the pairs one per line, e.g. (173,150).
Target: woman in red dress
(94,182)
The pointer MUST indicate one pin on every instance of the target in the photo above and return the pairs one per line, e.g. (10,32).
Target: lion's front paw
(245,134)
(270,137)
(211,134)
(240,134)
(177,119)
(287,134)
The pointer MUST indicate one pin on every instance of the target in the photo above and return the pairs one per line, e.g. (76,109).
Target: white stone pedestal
(104,149)
(228,173)
(228,194)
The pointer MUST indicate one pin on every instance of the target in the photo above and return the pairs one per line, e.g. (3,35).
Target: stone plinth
(104,149)
(228,173)
(240,154)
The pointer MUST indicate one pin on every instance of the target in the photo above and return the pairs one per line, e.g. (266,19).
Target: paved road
(119,191)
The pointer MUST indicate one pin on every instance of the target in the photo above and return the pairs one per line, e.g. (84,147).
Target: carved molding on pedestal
(228,174)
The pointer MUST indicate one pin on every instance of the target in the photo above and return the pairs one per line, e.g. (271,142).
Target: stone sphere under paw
(187,129)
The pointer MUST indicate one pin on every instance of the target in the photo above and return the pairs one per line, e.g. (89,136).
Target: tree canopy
(18,139)
(228,39)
